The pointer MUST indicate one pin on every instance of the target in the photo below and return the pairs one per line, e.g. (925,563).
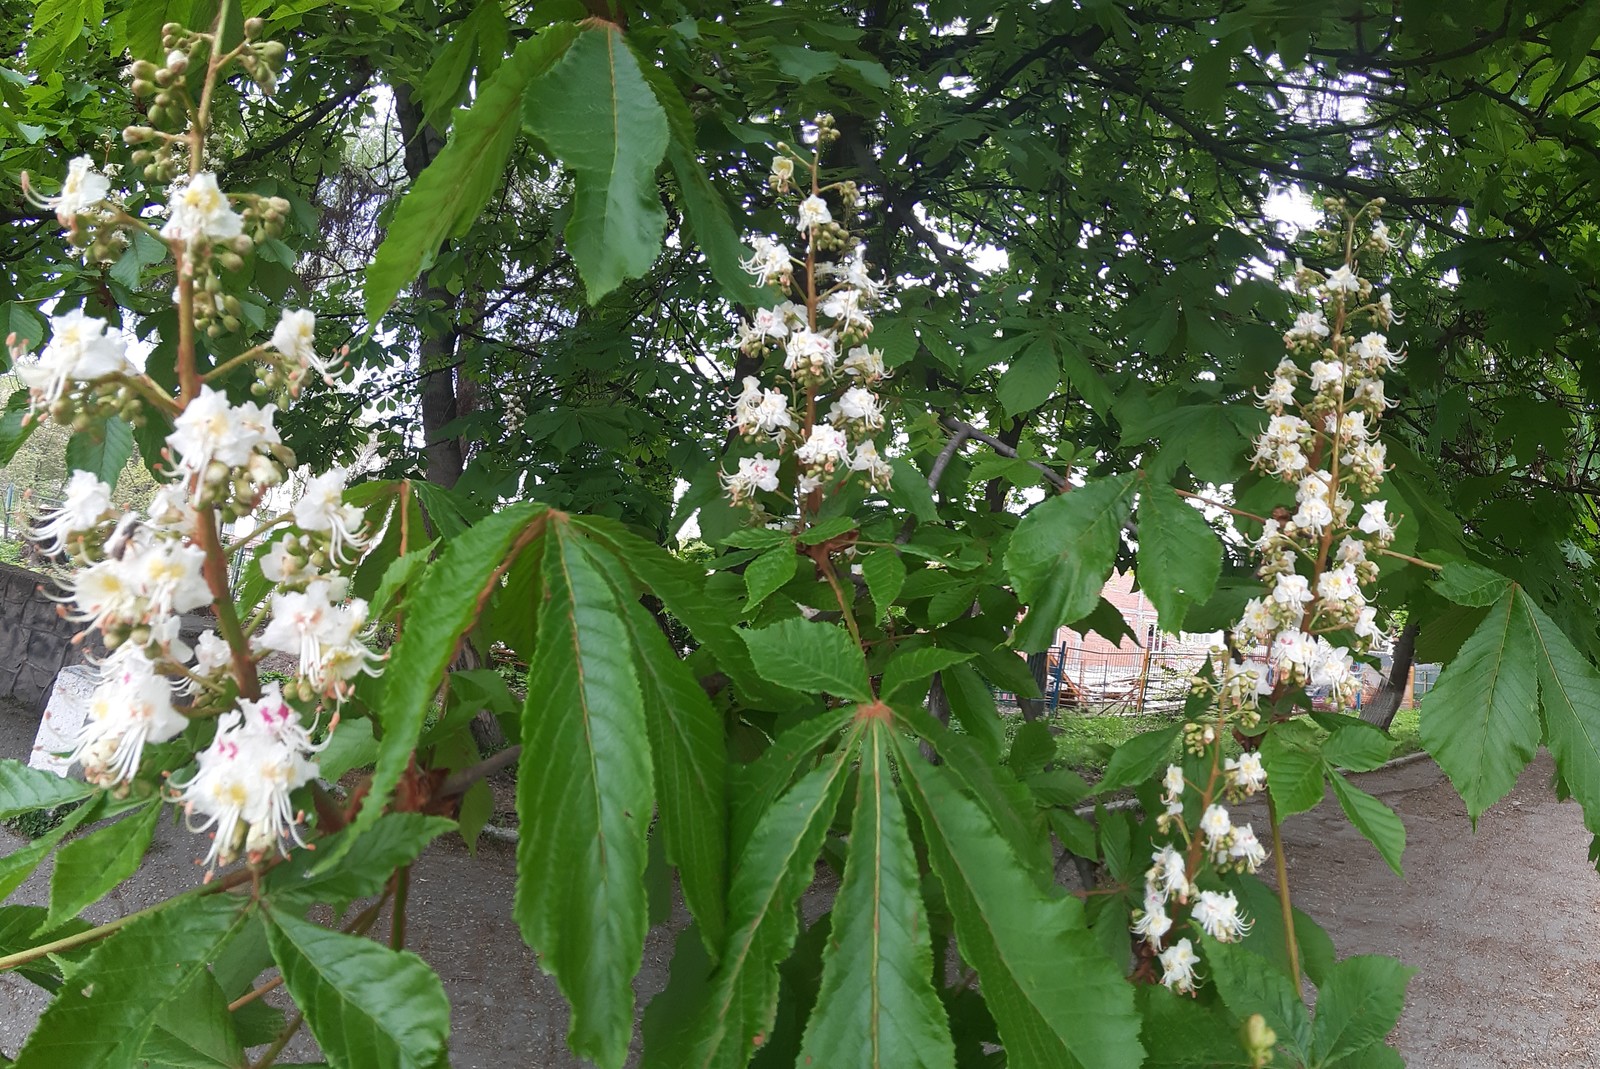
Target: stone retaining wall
(35,641)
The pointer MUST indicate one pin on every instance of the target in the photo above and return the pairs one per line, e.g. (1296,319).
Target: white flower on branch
(86,505)
(82,189)
(323,634)
(755,473)
(1177,966)
(81,349)
(321,509)
(131,708)
(200,212)
(1217,914)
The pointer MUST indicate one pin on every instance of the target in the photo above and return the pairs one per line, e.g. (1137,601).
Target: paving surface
(1502,925)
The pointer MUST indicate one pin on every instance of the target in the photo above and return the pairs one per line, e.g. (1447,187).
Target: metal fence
(1157,679)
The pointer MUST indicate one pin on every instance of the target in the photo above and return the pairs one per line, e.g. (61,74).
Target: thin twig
(950,423)
(460,780)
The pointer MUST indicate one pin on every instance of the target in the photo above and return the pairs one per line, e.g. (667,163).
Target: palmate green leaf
(1260,903)
(1138,759)
(393,841)
(448,196)
(911,667)
(17,866)
(102,449)
(1182,1033)
(973,707)
(885,574)
(1031,379)
(1372,818)
(56,24)
(595,111)
(1179,556)
(1058,1000)
(368,1006)
(89,867)
(1569,696)
(690,760)
(1061,555)
(1248,985)
(1353,743)
(196,1032)
(767,573)
(738,1005)
(20,929)
(705,210)
(877,1007)
(103,1015)
(1294,767)
(1358,1004)
(1470,584)
(444,605)
(24,789)
(1481,723)
(758,785)
(585,798)
(681,587)
(809,656)
(15,426)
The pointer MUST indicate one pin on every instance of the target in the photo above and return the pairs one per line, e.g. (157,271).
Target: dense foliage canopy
(1077,235)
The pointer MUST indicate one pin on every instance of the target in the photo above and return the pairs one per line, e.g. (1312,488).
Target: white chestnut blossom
(200,212)
(324,632)
(321,509)
(1375,521)
(82,189)
(865,364)
(1177,966)
(857,407)
(808,352)
(86,504)
(81,349)
(825,449)
(129,709)
(755,473)
(769,261)
(241,788)
(1217,914)
(813,213)
(213,429)
(1342,280)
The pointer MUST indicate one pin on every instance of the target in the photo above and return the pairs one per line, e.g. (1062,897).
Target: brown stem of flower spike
(1280,867)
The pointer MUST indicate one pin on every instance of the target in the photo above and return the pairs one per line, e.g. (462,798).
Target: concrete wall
(35,641)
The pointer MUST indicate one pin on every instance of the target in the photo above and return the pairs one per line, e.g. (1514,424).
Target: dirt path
(1503,926)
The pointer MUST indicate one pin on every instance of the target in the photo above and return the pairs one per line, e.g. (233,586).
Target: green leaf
(17,866)
(103,449)
(738,1006)
(1353,743)
(196,1032)
(690,760)
(595,111)
(877,1007)
(681,587)
(56,25)
(136,973)
(369,1007)
(400,574)
(1481,722)
(1260,903)
(444,606)
(584,798)
(1358,1005)
(885,574)
(1373,819)
(1061,555)
(1470,584)
(394,840)
(15,426)
(908,489)
(1569,696)
(1179,557)
(1138,759)
(89,867)
(24,789)
(909,667)
(1294,765)
(1057,999)
(767,573)
(809,656)
(827,529)
(1249,985)
(972,707)
(758,785)
(1030,380)
(447,197)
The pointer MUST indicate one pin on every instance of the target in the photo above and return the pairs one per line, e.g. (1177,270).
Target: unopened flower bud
(143,70)
(253,28)
(177,62)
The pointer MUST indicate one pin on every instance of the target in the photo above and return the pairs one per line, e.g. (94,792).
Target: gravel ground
(1501,925)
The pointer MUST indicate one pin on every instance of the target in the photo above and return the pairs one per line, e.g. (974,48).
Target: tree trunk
(1386,703)
(436,352)
(1038,667)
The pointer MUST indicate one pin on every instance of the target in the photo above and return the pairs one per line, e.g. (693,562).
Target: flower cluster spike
(1324,402)
(820,328)
(134,576)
